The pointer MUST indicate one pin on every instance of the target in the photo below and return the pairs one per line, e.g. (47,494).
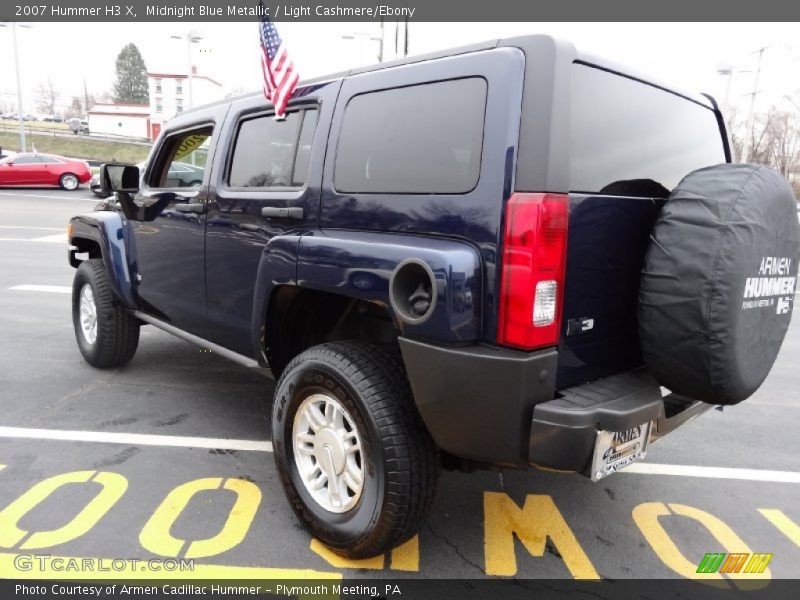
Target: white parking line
(136,439)
(59,238)
(52,289)
(18,195)
(713,472)
(31,228)
(144,439)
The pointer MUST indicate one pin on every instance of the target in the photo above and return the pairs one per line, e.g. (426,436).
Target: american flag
(280,76)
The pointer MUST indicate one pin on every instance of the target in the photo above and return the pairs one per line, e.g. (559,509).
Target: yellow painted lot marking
(784,524)
(403,558)
(646,518)
(113,487)
(340,562)
(10,570)
(532,524)
(156,537)
(406,556)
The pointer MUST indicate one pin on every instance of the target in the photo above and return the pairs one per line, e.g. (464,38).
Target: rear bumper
(477,402)
(564,430)
(496,406)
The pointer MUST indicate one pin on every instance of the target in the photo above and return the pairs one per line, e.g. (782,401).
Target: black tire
(718,285)
(402,463)
(117,331)
(69,182)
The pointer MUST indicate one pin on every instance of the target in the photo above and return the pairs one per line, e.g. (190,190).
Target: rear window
(270,153)
(421,139)
(624,130)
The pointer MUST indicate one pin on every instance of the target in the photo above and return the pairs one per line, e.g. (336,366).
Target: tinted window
(267,154)
(302,159)
(26,159)
(625,130)
(414,140)
(182,160)
(49,160)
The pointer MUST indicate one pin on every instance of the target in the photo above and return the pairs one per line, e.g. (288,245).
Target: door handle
(190,207)
(282,212)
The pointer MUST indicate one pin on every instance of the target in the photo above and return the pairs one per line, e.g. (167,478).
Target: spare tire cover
(718,283)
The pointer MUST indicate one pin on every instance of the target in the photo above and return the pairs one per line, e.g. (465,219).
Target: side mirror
(124,181)
(119,178)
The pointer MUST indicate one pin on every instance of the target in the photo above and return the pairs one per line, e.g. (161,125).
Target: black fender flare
(278,267)
(108,230)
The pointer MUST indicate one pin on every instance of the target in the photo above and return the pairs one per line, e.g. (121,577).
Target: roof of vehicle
(51,155)
(487,45)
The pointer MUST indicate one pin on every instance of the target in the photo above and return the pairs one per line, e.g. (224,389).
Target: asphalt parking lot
(170,458)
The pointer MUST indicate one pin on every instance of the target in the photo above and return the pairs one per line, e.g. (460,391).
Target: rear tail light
(532,281)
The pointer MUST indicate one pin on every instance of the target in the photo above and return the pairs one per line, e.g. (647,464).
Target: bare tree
(783,140)
(47,96)
(75,108)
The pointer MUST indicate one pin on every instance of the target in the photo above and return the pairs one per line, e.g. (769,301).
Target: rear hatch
(631,143)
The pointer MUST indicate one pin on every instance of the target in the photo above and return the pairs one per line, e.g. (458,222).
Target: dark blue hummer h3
(480,257)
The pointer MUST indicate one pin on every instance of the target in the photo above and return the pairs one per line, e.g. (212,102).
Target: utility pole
(751,113)
(20,109)
(363,37)
(191,69)
(405,37)
(20,116)
(191,37)
(85,98)
(380,48)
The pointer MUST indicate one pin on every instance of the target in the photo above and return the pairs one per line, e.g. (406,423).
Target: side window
(269,153)
(26,159)
(302,159)
(421,139)
(181,162)
(633,139)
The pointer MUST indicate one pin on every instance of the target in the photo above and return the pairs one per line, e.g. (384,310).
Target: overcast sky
(687,54)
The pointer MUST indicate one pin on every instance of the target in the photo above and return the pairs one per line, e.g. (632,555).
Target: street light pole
(362,37)
(19,89)
(189,63)
(191,37)
(751,113)
(20,110)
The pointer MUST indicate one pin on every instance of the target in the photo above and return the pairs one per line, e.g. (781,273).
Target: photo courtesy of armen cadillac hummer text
(510,254)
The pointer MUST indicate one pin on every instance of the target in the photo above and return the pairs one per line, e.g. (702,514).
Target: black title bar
(399,10)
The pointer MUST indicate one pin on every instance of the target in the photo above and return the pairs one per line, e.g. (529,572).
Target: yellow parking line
(784,524)
(113,486)
(532,524)
(156,536)
(647,515)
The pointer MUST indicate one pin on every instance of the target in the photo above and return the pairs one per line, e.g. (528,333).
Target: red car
(35,169)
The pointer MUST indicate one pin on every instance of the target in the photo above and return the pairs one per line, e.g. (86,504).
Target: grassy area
(12,125)
(79,147)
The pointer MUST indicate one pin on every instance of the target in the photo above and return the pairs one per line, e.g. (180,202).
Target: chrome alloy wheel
(70,182)
(88,314)
(328,453)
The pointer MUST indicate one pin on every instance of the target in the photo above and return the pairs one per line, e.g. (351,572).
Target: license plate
(614,450)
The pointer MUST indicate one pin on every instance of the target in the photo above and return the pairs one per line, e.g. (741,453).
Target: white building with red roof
(173,92)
